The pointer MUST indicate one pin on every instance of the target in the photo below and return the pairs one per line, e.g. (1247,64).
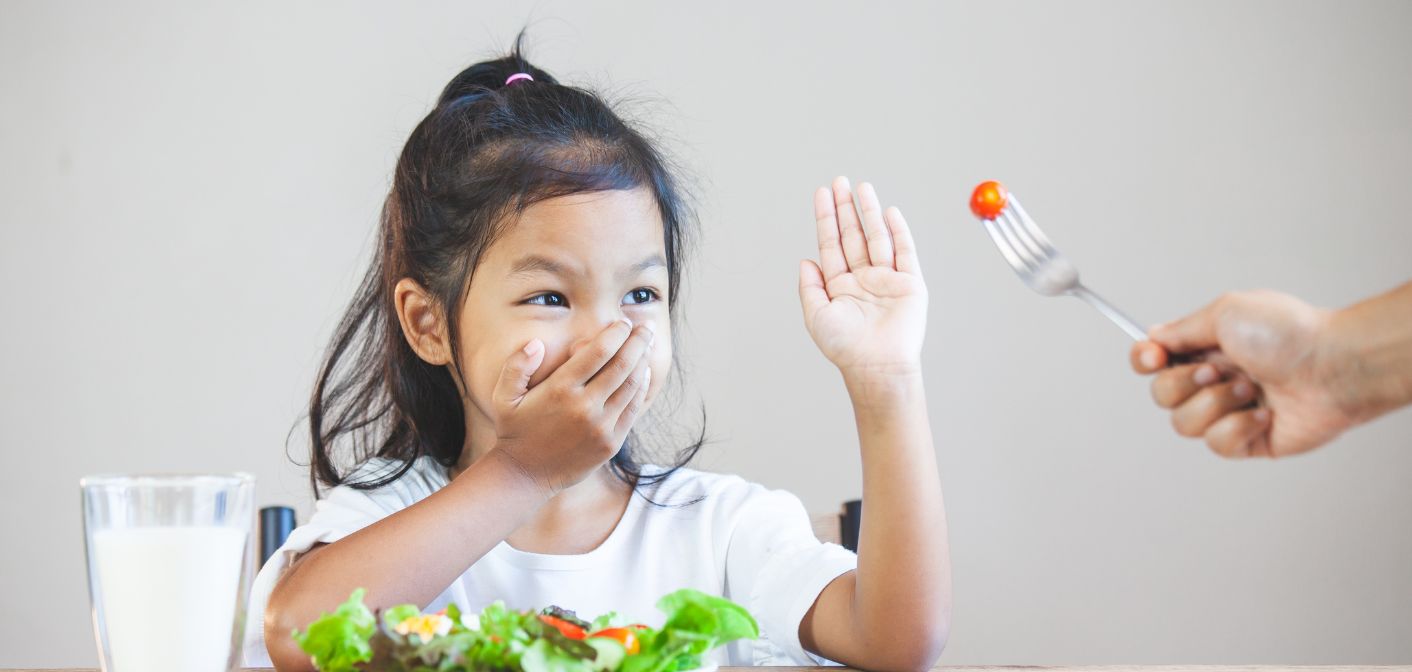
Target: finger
(1208,405)
(874,228)
(1240,434)
(634,409)
(812,294)
(850,230)
(1147,357)
(1172,386)
(634,386)
(830,245)
(904,249)
(590,358)
(514,379)
(1192,333)
(1260,445)
(621,364)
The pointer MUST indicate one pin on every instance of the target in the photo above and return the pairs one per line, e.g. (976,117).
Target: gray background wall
(187,193)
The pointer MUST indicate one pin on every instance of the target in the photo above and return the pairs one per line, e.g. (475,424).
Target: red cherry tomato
(625,636)
(569,629)
(989,199)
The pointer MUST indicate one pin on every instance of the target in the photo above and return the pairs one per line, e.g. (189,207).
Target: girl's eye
(641,295)
(549,299)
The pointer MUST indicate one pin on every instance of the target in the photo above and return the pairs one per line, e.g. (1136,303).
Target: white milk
(169,596)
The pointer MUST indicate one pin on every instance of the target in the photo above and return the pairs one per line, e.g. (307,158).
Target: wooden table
(1024,668)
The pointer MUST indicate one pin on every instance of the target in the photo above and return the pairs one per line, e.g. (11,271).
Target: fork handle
(1124,322)
(1131,326)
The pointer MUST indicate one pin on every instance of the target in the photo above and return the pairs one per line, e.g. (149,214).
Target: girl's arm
(865,306)
(410,556)
(548,439)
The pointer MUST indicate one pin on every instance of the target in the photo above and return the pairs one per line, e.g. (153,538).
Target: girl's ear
(423,322)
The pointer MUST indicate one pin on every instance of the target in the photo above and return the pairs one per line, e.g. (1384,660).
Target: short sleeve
(779,567)
(340,513)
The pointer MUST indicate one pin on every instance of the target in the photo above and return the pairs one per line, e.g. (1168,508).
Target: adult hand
(1274,349)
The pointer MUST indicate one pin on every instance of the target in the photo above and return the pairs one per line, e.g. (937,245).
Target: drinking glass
(170,559)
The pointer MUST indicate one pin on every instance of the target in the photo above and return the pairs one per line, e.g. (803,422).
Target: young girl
(473,421)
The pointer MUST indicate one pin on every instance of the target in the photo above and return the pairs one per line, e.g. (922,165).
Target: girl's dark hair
(487,152)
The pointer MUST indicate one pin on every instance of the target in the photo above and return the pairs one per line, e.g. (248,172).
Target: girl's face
(563,272)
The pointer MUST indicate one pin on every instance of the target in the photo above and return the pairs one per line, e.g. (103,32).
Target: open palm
(865,303)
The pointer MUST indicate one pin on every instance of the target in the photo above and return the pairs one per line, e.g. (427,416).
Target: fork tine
(1011,223)
(1022,244)
(1006,250)
(1033,229)
(1024,254)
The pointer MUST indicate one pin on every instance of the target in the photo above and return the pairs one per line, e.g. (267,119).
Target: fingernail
(1262,415)
(1205,375)
(1242,390)
(647,379)
(627,322)
(651,332)
(532,348)
(1149,359)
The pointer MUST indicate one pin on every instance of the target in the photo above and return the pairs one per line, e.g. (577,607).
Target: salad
(404,639)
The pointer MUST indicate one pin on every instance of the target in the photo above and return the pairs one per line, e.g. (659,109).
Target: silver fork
(1042,267)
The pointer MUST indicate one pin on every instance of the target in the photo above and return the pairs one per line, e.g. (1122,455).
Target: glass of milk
(170,560)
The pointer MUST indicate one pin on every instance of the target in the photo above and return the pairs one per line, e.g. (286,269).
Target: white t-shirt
(740,540)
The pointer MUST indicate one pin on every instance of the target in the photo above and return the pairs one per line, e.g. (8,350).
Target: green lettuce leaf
(610,653)
(686,610)
(339,641)
(696,623)
(542,656)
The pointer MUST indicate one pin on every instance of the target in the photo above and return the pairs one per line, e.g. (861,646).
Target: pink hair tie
(517,77)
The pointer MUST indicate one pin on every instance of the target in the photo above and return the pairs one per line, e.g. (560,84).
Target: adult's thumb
(1192,333)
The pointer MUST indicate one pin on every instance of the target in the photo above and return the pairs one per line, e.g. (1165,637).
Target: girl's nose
(592,331)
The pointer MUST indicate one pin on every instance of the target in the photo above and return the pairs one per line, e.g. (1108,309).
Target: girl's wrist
(883,386)
(502,465)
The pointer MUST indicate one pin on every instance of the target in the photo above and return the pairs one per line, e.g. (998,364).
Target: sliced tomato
(568,629)
(625,636)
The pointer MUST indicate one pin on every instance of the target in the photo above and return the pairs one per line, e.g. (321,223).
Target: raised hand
(865,303)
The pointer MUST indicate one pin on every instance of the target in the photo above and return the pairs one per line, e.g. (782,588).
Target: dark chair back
(276,522)
(849,522)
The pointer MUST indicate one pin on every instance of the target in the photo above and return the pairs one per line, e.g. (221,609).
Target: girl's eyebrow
(534,263)
(653,261)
